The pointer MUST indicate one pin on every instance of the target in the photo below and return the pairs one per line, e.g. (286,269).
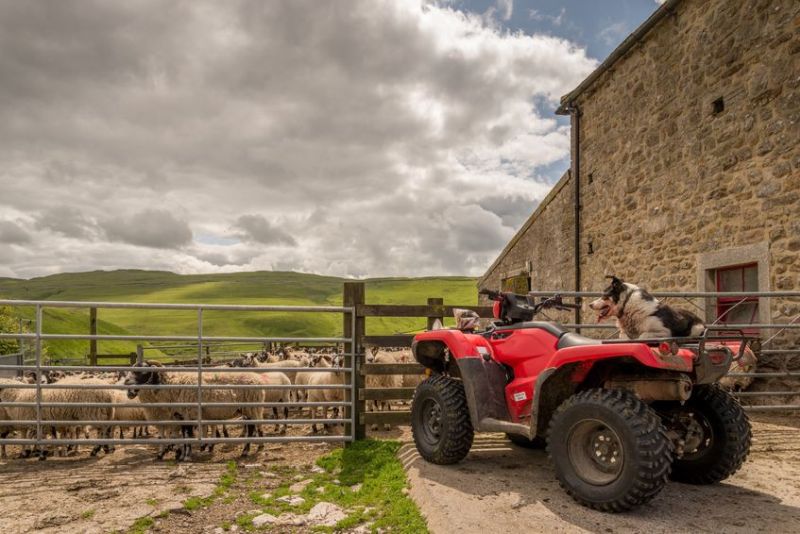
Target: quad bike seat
(554,329)
(569,339)
(565,337)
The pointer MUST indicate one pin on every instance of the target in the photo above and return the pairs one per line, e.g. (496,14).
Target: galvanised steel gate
(33,428)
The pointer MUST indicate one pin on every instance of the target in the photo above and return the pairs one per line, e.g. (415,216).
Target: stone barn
(685,165)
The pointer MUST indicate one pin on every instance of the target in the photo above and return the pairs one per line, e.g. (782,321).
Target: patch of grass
(194,503)
(152,501)
(141,525)
(226,525)
(227,480)
(245,522)
(379,501)
(88,514)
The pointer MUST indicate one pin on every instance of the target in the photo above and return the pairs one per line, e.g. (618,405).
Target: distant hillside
(284,288)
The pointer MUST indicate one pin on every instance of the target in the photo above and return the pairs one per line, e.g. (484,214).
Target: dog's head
(608,305)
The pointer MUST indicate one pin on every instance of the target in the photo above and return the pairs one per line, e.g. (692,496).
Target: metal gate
(778,339)
(43,419)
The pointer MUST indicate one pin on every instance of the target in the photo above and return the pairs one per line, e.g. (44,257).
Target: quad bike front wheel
(440,420)
(717,436)
(609,449)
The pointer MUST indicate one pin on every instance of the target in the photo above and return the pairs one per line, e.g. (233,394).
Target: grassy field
(282,288)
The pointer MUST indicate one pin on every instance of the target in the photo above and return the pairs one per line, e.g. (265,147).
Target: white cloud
(149,228)
(506,8)
(555,20)
(12,233)
(614,33)
(376,138)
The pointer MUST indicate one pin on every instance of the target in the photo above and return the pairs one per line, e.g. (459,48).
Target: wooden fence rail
(354,295)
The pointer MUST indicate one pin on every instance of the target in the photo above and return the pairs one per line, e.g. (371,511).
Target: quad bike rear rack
(698,343)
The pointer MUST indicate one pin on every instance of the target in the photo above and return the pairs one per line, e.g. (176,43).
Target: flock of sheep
(133,404)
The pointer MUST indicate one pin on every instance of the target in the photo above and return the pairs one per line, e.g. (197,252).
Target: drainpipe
(575,127)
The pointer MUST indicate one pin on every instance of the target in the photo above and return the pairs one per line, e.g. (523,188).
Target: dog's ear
(616,283)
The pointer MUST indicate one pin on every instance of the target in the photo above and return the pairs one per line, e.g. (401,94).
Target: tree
(8,325)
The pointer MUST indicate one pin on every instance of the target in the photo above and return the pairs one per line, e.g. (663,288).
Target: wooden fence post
(440,316)
(139,354)
(353,296)
(93,332)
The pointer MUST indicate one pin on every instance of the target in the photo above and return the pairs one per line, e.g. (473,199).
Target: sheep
(382,381)
(126,409)
(18,413)
(277,395)
(146,375)
(249,360)
(9,395)
(304,377)
(325,395)
(80,413)
(5,413)
(747,364)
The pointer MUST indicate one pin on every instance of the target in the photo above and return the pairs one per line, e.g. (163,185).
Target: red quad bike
(619,417)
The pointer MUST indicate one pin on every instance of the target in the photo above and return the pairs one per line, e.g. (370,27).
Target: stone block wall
(690,146)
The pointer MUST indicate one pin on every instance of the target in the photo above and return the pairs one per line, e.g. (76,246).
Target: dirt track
(107,494)
(498,488)
(502,488)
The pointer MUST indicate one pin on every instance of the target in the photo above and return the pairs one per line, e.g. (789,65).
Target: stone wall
(690,146)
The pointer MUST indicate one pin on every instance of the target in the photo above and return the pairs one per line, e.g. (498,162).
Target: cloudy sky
(359,138)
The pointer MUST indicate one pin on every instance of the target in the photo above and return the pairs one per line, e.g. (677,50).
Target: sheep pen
(329,371)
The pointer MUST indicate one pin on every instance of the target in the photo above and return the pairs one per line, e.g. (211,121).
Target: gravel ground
(498,488)
(502,488)
(109,493)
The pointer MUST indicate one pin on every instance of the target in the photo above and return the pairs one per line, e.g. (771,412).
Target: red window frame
(725,303)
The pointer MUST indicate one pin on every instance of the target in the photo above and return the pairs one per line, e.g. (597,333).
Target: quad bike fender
(645,355)
(470,357)
(569,367)
(428,347)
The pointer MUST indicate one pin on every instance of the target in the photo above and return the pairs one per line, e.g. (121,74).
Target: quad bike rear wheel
(717,436)
(609,449)
(440,420)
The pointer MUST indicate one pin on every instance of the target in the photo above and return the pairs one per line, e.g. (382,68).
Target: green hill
(281,288)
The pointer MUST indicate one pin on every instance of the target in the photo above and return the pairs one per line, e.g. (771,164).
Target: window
(737,310)
(718,106)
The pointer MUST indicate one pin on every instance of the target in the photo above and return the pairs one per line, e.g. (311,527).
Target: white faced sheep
(63,413)
(80,413)
(304,377)
(747,364)
(126,409)
(150,374)
(331,378)
(250,360)
(7,394)
(382,381)
(409,381)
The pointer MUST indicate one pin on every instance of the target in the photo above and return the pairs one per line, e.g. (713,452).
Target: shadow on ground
(500,487)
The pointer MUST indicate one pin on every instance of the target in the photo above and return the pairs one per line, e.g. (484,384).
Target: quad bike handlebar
(514,308)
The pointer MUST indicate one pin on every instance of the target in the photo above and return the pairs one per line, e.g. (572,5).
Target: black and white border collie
(640,315)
